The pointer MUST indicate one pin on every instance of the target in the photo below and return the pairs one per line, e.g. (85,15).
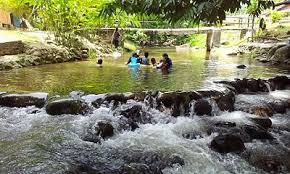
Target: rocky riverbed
(272,53)
(38,48)
(242,128)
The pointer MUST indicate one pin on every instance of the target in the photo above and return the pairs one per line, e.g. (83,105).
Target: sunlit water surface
(192,70)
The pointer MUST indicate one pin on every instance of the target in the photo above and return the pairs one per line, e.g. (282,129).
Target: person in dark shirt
(168,61)
(116,38)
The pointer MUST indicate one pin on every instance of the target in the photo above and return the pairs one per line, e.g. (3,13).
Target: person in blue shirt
(133,59)
(145,59)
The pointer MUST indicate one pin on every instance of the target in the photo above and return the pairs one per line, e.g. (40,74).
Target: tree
(212,11)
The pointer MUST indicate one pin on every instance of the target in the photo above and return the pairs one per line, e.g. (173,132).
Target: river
(192,70)
(34,142)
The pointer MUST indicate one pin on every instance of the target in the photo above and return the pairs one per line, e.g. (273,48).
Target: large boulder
(23,100)
(202,107)
(273,50)
(67,106)
(227,143)
(281,54)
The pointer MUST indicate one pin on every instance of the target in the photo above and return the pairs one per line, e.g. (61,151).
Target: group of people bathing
(164,64)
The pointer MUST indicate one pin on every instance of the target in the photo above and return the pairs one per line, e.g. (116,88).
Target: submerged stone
(136,168)
(256,132)
(67,106)
(23,100)
(104,129)
(265,123)
(227,143)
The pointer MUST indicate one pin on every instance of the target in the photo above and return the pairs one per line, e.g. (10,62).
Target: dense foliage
(212,11)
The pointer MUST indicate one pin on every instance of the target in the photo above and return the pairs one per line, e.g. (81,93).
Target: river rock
(227,143)
(23,100)
(279,106)
(178,102)
(104,129)
(241,66)
(67,106)
(202,107)
(92,138)
(118,97)
(127,124)
(226,102)
(267,163)
(225,124)
(209,93)
(262,111)
(135,113)
(175,159)
(256,132)
(270,158)
(279,82)
(281,54)
(265,123)
(273,50)
(254,105)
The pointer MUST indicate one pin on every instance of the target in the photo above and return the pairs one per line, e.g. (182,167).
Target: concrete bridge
(213,33)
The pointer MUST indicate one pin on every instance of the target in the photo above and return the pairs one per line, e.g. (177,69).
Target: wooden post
(216,38)
(209,40)
(253,28)
(243,34)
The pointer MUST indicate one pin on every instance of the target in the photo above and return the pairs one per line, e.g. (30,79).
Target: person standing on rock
(116,38)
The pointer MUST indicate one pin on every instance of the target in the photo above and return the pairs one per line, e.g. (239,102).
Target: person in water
(139,59)
(116,38)
(165,63)
(133,59)
(168,61)
(153,61)
(145,59)
(100,61)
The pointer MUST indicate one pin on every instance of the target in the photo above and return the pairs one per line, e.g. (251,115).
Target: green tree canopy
(211,11)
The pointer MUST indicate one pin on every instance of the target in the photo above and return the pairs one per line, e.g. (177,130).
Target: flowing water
(35,142)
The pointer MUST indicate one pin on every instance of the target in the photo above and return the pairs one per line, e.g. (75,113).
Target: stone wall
(11,48)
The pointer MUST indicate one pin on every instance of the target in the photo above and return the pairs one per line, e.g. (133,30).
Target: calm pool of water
(192,70)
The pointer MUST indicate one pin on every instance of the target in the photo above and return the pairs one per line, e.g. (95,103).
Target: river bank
(22,49)
(204,131)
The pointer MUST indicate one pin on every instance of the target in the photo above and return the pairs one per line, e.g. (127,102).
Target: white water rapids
(35,142)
